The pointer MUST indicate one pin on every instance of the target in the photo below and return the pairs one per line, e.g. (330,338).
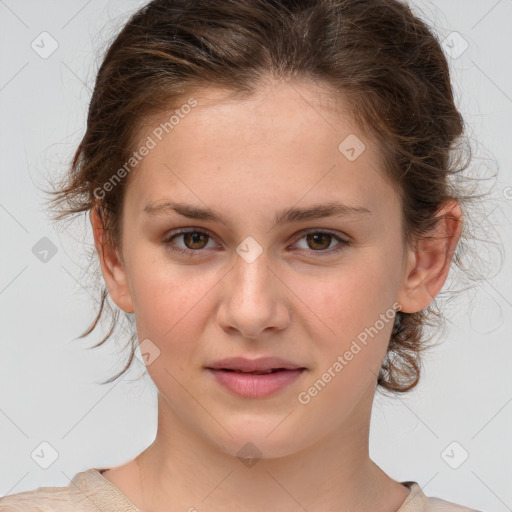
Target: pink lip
(251,365)
(254,385)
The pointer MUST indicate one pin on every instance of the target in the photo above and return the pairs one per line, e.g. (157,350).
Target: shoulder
(439,505)
(417,501)
(86,491)
(42,499)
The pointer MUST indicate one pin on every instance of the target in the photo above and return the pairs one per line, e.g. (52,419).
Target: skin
(248,159)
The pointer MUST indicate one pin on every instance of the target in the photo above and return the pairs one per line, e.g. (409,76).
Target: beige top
(90,491)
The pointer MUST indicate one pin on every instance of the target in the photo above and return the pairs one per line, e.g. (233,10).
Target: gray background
(49,383)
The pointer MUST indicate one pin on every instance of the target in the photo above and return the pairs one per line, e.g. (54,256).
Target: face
(317,292)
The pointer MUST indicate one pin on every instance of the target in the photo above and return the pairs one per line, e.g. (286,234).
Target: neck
(334,474)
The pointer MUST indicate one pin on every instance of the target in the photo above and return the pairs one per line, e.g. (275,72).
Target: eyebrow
(289,215)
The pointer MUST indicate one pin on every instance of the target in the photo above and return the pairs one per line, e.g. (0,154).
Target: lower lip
(251,385)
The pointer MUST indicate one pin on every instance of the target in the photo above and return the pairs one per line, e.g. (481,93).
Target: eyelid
(183,231)
(337,234)
(344,240)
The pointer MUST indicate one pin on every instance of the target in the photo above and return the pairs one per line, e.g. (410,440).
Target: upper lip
(261,364)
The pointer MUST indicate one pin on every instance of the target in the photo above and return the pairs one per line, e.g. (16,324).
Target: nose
(254,300)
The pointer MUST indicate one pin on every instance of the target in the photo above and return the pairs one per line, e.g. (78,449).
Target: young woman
(270,186)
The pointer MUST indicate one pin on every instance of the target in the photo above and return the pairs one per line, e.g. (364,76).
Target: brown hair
(377,54)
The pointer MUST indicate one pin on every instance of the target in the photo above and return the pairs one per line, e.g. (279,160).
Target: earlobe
(112,266)
(429,262)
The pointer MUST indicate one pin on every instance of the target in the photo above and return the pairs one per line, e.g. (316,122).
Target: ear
(112,265)
(429,262)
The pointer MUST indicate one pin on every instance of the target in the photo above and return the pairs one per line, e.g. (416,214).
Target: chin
(257,438)
(250,449)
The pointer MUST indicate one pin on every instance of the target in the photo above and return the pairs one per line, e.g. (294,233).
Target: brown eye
(193,242)
(319,241)
(195,239)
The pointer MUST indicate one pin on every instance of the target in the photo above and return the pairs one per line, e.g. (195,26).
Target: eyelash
(194,253)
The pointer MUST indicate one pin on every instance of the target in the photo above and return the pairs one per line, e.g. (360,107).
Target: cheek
(349,335)
(352,297)
(170,302)
(351,312)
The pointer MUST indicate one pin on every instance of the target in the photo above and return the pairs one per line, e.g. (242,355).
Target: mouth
(255,378)
(258,372)
(262,365)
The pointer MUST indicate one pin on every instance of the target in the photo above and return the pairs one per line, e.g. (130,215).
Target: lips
(256,372)
(255,378)
(259,366)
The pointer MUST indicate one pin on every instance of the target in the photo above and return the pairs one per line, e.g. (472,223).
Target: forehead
(285,142)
